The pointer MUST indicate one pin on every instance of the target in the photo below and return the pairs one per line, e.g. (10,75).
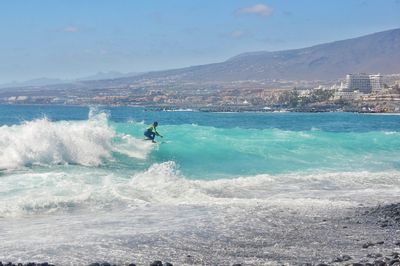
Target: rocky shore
(371,259)
(379,246)
(383,216)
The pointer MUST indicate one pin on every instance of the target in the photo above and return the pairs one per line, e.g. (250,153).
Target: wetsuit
(151,132)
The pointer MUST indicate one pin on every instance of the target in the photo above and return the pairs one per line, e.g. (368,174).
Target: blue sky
(76,38)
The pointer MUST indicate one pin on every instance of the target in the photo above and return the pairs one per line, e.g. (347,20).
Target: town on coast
(370,93)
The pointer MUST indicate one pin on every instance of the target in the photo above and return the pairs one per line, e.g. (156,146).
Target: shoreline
(216,109)
(359,236)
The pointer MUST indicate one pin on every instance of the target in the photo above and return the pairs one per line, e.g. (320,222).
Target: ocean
(80,184)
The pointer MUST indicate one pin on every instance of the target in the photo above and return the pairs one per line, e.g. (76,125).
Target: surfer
(151,132)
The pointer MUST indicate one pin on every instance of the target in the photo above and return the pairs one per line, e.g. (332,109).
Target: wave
(163,184)
(43,142)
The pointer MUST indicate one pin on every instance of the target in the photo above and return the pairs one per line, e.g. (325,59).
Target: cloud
(259,10)
(71,29)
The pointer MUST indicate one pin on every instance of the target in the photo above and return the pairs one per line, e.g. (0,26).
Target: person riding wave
(151,132)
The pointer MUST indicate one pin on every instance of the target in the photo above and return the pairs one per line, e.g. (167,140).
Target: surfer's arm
(158,134)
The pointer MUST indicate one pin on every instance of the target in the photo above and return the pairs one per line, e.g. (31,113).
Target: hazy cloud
(71,29)
(259,10)
(237,34)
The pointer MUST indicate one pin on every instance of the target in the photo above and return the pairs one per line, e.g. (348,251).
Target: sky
(68,39)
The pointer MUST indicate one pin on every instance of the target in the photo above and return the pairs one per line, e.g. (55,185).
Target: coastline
(294,236)
(218,109)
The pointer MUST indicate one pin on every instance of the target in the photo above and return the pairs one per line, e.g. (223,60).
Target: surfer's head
(155,124)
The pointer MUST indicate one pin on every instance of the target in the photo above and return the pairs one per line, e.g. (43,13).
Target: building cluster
(371,93)
(365,92)
(359,85)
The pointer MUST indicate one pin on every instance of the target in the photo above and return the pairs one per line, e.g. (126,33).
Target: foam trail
(132,147)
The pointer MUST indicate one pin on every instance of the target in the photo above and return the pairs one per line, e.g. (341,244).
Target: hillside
(374,53)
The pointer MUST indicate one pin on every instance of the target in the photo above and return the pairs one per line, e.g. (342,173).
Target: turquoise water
(216,145)
(65,164)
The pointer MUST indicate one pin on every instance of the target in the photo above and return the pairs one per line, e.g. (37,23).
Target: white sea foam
(133,147)
(43,142)
(95,188)
(164,183)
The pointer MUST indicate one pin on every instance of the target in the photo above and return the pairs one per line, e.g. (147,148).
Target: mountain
(107,75)
(39,82)
(35,82)
(374,53)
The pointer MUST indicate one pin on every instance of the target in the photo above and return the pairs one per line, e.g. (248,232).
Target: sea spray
(44,142)
(75,188)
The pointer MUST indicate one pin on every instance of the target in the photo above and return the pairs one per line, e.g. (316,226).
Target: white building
(364,83)
(357,85)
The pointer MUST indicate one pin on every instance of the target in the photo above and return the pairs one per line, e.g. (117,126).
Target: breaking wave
(163,183)
(43,142)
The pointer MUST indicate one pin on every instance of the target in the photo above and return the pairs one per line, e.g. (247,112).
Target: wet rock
(368,244)
(337,259)
(397,243)
(237,264)
(342,258)
(357,264)
(168,264)
(156,263)
(374,255)
(131,264)
(322,264)
(94,264)
(394,261)
(380,263)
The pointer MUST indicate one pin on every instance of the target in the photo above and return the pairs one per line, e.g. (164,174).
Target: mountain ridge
(374,53)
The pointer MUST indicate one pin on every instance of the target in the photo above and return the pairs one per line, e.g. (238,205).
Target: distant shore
(238,109)
(224,109)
